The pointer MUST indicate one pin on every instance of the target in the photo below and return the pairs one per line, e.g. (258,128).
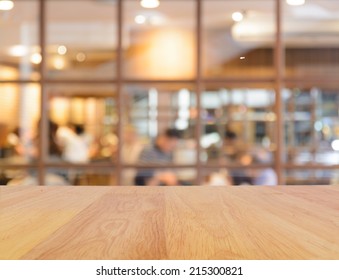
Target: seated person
(266,176)
(159,153)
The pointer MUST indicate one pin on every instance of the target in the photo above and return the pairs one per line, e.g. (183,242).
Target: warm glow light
(237,16)
(6,5)
(81,57)
(164,51)
(140,19)
(18,50)
(295,2)
(149,3)
(59,63)
(36,58)
(62,50)
(156,20)
(242,57)
(335,145)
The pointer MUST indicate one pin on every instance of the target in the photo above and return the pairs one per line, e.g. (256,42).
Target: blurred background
(86,85)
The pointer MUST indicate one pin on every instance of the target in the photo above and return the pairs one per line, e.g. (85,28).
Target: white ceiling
(92,22)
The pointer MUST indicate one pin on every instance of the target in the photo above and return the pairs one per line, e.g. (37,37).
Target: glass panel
(238,38)
(311,125)
(20,113)
(311,177)
(19,53)
(81,39)
(311,37)
(240,176)
(83,122)
(159,177)
(80,177)
(151,112)
(159,43)
(18,177)
(238,124)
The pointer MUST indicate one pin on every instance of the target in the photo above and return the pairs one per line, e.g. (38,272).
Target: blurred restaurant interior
(252,85)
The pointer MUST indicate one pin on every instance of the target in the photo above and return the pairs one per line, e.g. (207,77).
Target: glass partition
(238,38)
(311,177)
(82,123)
(148,111)
(238,125)
(81,177)
(20,53)
(311,39)
(81,39)
(19,117)
(311,125)
(224,103)
(159,43)
(18,177)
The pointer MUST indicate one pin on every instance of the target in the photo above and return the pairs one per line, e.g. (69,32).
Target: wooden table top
(287,222)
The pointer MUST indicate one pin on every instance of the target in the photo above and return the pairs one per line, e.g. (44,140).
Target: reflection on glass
(159,43)
(82,123)
(238,38)
(79,177)
(159,177)
(18,177)
(311,125)
(19,53)
(81,39)
(264,176)
(149,112)
(237,124)
(20,112)
(311,177)
(310,34)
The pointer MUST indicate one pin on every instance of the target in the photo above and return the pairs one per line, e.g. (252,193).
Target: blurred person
(131,146)
(54,147)
(241,176)
(3,140)
(218,178)
(76,144)
(232,147)
(266,176)
(55,177)
(130,152)
(159,153)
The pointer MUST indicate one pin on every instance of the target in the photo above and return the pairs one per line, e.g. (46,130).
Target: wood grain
(30,215)
(299,222)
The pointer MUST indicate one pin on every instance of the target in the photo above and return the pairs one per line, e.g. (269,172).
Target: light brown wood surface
(287,222)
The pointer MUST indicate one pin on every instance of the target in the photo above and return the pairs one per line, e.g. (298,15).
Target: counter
(76,222)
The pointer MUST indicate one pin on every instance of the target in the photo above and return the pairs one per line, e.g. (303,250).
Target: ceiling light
(36,58)
(335,145)
(295,2)
(149,3)
(62,50)
(18,50)
(6,5)
(237,16)
(140,19)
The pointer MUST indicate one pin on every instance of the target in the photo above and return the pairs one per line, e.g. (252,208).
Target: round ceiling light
(36,58)
(295,2)
(149,3)
(237,16)
(140,19)
(6,5)
(62,50)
